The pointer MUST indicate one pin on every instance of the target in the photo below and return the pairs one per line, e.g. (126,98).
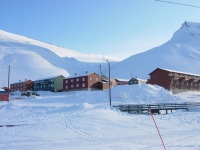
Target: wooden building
(52,84)
(136,81)
(175,81)
(21,86)
(82,82)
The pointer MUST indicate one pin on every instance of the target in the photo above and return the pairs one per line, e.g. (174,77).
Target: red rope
(157,128)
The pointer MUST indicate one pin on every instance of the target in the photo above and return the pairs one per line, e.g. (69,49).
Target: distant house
(3,95)
(137,81)
(21,86)
(53,84)
(103,85)
(175,81)
(82,82)
(115,81)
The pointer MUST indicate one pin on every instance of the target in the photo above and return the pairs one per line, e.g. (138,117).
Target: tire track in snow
(71,124)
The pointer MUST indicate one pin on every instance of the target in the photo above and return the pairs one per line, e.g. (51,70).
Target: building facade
(175,81)
(52,84)
(22,86)
(84,82)
(3,95)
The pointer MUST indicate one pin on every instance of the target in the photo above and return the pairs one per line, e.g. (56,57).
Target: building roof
(52,77)
(174,71)
(139,79)
(20,81)
(79,75)
(121,79)
(2,90)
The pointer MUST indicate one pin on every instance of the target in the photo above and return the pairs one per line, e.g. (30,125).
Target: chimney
(75,74)
(86,72)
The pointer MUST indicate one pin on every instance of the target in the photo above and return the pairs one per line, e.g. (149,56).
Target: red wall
(3,97)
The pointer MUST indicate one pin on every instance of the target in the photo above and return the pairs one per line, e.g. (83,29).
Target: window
(72,86)
(83,85)
(83,79)
(66,87)
(77,85)
(90,84)
(66,81)
(96,79)
(182,83)
(177,83)
(72,80)
(52,85)
(90,78)
(77,79)
(172,82)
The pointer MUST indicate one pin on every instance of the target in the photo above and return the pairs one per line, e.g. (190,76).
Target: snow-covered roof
(20,81)
(52,77)
(80,75)
(174,71)
(139,79)
(121,79)
(2,90)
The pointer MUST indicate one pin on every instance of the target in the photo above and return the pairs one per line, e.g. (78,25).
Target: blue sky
(117,28)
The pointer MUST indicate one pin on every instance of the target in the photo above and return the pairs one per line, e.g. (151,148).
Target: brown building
(85,82)
(175,81)
(115,82)
(22,86)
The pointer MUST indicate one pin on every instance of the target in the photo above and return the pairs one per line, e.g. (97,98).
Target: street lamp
(109,82)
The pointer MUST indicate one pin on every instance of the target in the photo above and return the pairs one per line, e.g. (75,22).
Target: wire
(178,3)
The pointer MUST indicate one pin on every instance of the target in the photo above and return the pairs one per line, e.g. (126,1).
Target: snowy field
(85,121)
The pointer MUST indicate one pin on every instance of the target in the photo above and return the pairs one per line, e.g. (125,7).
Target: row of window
(15,85)
(78,79)
(185,83)
(72,80)
(77,86)
(17,89)
(41,81)
(43,86)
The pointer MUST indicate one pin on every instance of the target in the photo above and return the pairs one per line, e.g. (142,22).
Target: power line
(188,5)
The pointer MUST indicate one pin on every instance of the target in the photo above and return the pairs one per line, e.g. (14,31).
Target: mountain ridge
(181,53)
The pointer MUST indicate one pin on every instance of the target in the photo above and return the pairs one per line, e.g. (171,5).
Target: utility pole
(109,82)
(8,81)
(101,72)
(131,75)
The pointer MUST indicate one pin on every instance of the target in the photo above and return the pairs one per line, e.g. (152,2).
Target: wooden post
(8,81)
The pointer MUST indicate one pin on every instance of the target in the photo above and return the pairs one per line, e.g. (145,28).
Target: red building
(3,95)
(22,86)
(175,81)
(85,82)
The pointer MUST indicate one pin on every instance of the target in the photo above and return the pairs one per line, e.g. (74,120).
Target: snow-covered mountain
(32,59)
(181,53)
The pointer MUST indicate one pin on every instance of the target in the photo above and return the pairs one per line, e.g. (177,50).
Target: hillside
(32,59)
(181,53)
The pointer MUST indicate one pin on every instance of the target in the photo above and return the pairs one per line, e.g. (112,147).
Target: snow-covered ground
(84,120)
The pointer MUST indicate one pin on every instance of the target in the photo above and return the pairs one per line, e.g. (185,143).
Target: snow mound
(143,93)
